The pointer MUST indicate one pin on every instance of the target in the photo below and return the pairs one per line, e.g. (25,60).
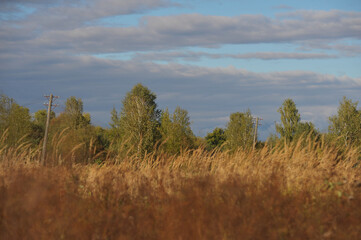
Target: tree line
(140,127)
(344,128)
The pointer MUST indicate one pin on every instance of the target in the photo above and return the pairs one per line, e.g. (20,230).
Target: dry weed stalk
(301,190)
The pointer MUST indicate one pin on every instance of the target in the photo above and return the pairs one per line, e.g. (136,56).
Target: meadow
(302,190)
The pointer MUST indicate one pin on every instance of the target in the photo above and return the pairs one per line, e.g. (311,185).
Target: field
(298,191)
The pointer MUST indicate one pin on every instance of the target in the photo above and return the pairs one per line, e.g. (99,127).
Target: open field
(301,191)
(180,120)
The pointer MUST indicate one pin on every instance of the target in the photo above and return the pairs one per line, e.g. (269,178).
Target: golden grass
(304,190)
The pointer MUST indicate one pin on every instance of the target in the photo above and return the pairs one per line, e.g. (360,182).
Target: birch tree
(290,119)
(240,130)
(346,125)
(139,119)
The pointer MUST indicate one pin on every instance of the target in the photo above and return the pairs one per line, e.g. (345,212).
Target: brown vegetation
(304,190)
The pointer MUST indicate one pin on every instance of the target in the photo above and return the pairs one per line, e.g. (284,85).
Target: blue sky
(210,57)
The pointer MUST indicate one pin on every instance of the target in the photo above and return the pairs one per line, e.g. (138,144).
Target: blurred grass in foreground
(303,190)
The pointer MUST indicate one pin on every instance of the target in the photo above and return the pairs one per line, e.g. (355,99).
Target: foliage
(5,109)
(74,113)
(290,119)
(38,125)
(346,125)
(73,128)
(176,132)
(216,138)
(115,132)
(139,129)
(240,130)
(138,121)
(272,140)
(306,129)
(14,119)
(41,116)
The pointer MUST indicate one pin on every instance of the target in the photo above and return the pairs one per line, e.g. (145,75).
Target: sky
(210,57)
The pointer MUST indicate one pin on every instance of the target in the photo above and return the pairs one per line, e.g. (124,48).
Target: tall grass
(302,190)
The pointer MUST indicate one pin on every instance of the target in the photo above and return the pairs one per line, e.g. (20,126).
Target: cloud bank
(66,28)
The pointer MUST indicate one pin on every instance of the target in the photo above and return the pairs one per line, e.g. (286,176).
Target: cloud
(65,15)
(318,113)
(348,50)
(196,56)
(14,2)
(71,28)
(189,30)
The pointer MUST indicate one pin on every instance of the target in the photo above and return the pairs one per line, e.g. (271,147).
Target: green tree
(166,129)
(139,119)
(290,119)
(40,117)
(182,126)
(240,130)
(72,117)
(74,113)
(216,138)
(306,129)
(5,109)
(346,125)
(114,134)
(77,131)
(15,119)
(38,125)
(176,131)
(272,140)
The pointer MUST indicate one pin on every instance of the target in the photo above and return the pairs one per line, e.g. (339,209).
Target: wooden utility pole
(256,132)
(50,104)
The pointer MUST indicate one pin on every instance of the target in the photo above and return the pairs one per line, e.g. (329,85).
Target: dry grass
(300,191)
